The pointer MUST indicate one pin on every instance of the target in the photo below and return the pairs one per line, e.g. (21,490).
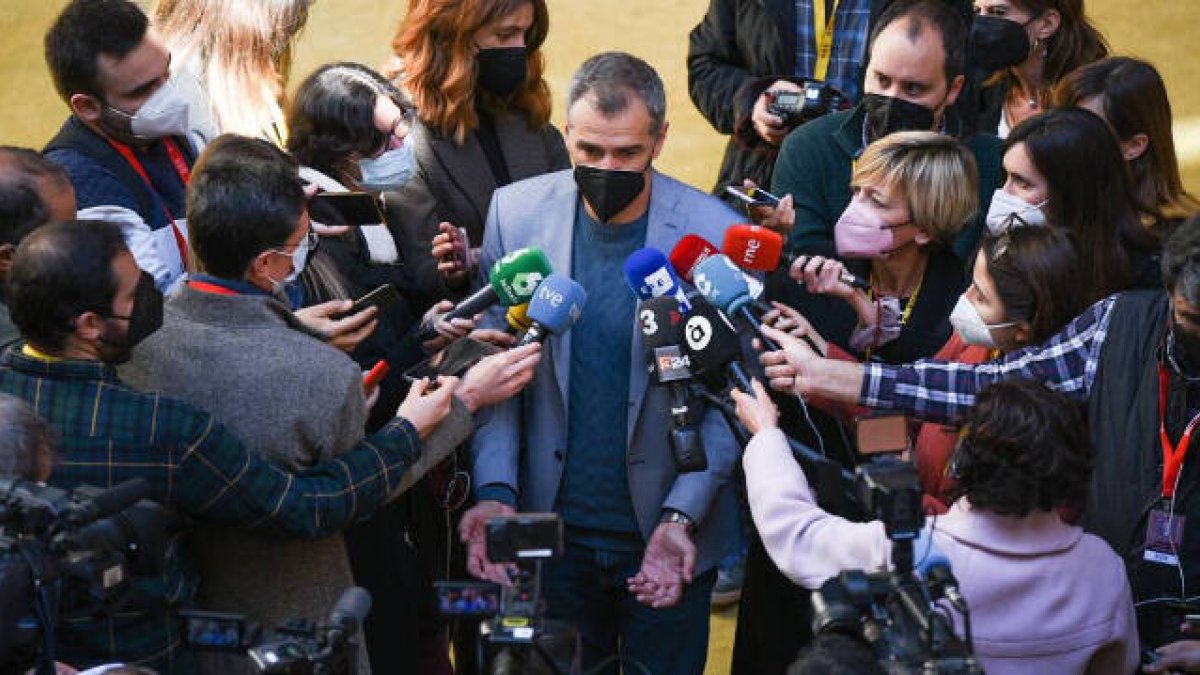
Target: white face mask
(165,113)
(299,258)
(389,171)
(970,326)
(1009,210)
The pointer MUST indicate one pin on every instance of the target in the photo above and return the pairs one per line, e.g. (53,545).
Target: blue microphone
(555,306)
(650,275)
(723,284)
(935,570)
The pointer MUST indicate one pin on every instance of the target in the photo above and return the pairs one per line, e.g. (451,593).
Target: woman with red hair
(473,69)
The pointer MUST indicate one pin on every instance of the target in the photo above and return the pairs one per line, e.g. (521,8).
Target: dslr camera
(67,555)
(796,108)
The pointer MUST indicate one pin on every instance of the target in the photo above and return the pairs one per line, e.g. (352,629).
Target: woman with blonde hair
(913,192)
(230,59)
(474,71)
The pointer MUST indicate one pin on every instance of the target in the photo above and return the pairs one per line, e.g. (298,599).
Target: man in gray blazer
(589,438)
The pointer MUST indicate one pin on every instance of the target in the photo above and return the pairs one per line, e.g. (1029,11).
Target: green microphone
(511,281)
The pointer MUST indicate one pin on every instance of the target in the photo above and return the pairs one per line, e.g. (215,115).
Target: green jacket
(814,167)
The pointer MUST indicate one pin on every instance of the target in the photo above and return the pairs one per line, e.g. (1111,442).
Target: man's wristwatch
(673,516)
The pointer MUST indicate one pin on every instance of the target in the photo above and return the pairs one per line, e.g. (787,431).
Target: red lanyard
(1172,456)
(181,168)
(205,287)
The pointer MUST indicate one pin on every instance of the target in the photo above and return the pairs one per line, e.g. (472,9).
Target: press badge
(1164,537)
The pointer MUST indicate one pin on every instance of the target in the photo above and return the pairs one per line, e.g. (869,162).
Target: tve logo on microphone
(550,295)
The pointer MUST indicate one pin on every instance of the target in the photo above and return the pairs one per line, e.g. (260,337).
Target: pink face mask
(861,233)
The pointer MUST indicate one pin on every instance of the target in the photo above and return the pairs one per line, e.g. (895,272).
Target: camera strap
(823,35)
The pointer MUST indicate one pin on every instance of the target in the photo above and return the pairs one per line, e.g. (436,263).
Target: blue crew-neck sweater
(595,489)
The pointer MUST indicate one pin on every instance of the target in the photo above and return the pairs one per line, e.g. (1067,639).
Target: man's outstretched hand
(667,566)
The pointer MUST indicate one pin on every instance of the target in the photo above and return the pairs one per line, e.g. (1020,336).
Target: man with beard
(913,77)
(81,305)
(124,144)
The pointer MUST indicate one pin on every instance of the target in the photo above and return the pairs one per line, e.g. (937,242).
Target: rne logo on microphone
(752,246)
(659,282)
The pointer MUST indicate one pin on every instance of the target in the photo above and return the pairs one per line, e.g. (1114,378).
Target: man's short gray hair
(610,77)
(27,443)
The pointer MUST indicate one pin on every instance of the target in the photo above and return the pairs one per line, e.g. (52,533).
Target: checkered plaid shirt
(111,433)
(849,43)
(940,391)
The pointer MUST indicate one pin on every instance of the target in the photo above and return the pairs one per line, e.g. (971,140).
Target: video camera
(795,108)
(296,648)
(896,612)
(514,626)
(69,555)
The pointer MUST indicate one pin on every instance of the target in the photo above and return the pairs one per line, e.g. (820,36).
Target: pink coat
(1044,596)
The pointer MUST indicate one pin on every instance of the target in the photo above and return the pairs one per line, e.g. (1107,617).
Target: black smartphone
(345,208)
(467,598)
(383,297)
(753,196)
(453,360)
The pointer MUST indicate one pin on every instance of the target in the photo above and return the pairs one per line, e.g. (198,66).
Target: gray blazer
(522,443)
(454,183)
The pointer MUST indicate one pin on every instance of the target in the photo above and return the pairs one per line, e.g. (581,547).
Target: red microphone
(753,247)
(689,252)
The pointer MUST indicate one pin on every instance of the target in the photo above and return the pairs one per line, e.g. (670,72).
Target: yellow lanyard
(823,36)
(31,352)
(904,316)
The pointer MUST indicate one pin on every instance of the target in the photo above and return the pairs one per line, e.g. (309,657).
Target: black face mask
(501,71)
(886,115)
(145,318)
(1184,350)
(609,191)
(996,44)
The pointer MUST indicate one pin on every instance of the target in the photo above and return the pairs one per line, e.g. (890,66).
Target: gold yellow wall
(1162,31)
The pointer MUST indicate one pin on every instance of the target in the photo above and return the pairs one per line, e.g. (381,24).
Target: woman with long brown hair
(1060,38)
(474,71)
(1130,96)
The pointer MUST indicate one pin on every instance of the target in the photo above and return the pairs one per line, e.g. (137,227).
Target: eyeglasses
(403,123)
(309,241)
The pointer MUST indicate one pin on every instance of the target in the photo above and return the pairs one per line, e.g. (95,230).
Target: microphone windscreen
(709,340)
(722,284)
(351,608)
(516,276)
(557,304)
(661,322)
(120,496)
(753,247)
(688,253)
(518,317)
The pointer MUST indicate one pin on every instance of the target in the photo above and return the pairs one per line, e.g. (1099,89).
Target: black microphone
(713,347)
(937,573)
(661,321)
(108,502)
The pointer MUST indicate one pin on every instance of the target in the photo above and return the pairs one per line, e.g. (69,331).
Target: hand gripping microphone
(661,323)
(724,285)
(650,275)
(511,281)
(760,249)
(692,250)
(554,308)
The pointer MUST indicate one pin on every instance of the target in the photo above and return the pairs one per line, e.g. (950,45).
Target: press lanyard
(904,316)
(823,36)
(181,168)
(205,287)
(1172,456)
